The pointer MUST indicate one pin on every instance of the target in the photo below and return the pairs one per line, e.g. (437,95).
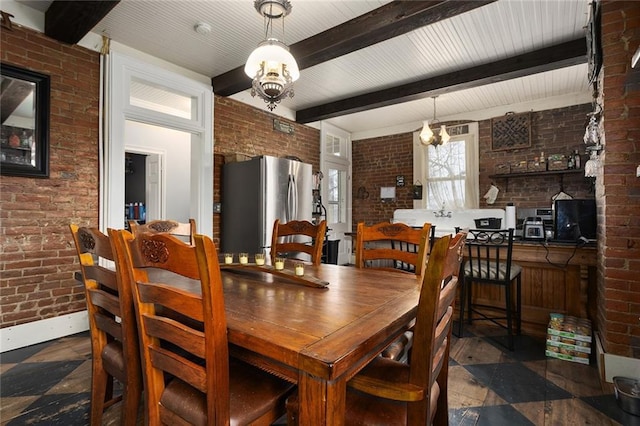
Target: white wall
(176,146)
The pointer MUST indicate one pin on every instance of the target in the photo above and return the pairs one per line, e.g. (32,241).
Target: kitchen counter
(556,278)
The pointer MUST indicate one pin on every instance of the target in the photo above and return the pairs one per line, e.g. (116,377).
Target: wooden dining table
(316,337)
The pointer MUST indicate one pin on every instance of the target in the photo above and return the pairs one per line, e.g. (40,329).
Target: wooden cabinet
(555,279)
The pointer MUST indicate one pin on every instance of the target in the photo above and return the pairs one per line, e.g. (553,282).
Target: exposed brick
(618,222)
(32,207)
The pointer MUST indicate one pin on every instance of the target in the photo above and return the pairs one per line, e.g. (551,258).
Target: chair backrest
(291,238)
(429,363)
(183,335)
(110,308)
(393,246)
(489,255)
(180,229)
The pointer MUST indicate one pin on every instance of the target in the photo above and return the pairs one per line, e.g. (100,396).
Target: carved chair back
(298,236)
(393,246)
(186,231)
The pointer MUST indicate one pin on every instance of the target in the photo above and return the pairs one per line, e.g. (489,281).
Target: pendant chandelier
(271,66)
(428,137)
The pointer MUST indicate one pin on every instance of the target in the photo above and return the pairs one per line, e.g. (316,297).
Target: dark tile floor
(49,384)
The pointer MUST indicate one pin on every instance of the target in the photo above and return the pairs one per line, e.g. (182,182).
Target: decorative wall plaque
(282,126)
(511,131)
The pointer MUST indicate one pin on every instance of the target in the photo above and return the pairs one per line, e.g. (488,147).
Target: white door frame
(121,71)
(338,230)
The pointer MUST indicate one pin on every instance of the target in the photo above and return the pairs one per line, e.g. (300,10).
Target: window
(336,196)
(446,174)
(450,171)
(166,100)
(335,145)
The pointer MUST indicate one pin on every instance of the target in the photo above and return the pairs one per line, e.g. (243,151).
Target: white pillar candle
(228,258)
(279,264)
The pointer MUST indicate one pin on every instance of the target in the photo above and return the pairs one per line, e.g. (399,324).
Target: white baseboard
(34,332)
(610,365)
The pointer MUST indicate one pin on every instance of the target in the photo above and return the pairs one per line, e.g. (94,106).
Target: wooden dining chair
(185,231)
(112,325)
(390,392)
(298,236)
(393,246)
(188,375)
(488,263)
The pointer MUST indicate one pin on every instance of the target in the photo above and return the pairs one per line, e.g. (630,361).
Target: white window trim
(472,200)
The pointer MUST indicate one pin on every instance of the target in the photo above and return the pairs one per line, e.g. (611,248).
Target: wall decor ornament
(512,131)
(417,190)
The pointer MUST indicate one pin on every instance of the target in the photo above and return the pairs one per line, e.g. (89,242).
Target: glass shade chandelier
(271,66)
(428,137)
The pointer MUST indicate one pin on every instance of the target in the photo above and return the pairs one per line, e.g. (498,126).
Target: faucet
(441,212)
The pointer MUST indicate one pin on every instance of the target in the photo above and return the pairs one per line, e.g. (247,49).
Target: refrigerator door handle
(292,199)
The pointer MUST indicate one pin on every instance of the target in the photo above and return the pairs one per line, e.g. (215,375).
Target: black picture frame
(24,143)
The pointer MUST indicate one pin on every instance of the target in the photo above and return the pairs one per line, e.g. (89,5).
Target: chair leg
(462,302)
(130,403)
(469,297)
(509,311)
(518,305)
(99,393)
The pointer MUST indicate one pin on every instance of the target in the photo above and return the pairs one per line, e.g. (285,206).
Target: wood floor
(49,384)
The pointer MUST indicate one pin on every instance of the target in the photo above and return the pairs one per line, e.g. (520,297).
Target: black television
(575,220)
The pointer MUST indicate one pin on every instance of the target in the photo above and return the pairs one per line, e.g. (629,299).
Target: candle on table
(228,258)
(244,258)
(279,263)
(299,269)
(260,259)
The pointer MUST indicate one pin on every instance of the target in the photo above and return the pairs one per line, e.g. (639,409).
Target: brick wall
(376,163)
(242,129)
(619,206)
(37,257)
(554,131)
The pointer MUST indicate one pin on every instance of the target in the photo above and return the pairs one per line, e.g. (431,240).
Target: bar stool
(489,262)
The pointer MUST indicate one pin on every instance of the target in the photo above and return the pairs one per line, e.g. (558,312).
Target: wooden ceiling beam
(550,58)
(388,21)
(69,21)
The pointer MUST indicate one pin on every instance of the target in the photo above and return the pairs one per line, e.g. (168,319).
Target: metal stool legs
(466,298)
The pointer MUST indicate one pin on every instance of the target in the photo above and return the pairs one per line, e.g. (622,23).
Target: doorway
(164,157)
(335,163)
(155,111)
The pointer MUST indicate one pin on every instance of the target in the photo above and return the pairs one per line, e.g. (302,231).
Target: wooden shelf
(541,173)
(560,173)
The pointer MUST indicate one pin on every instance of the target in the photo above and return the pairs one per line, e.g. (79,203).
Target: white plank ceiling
(499,30)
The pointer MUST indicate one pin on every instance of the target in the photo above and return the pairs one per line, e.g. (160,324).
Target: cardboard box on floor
(569,338)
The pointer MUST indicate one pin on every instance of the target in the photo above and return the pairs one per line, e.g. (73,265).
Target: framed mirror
(24,116)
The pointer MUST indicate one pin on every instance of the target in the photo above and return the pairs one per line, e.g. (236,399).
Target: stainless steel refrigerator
(257,192)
